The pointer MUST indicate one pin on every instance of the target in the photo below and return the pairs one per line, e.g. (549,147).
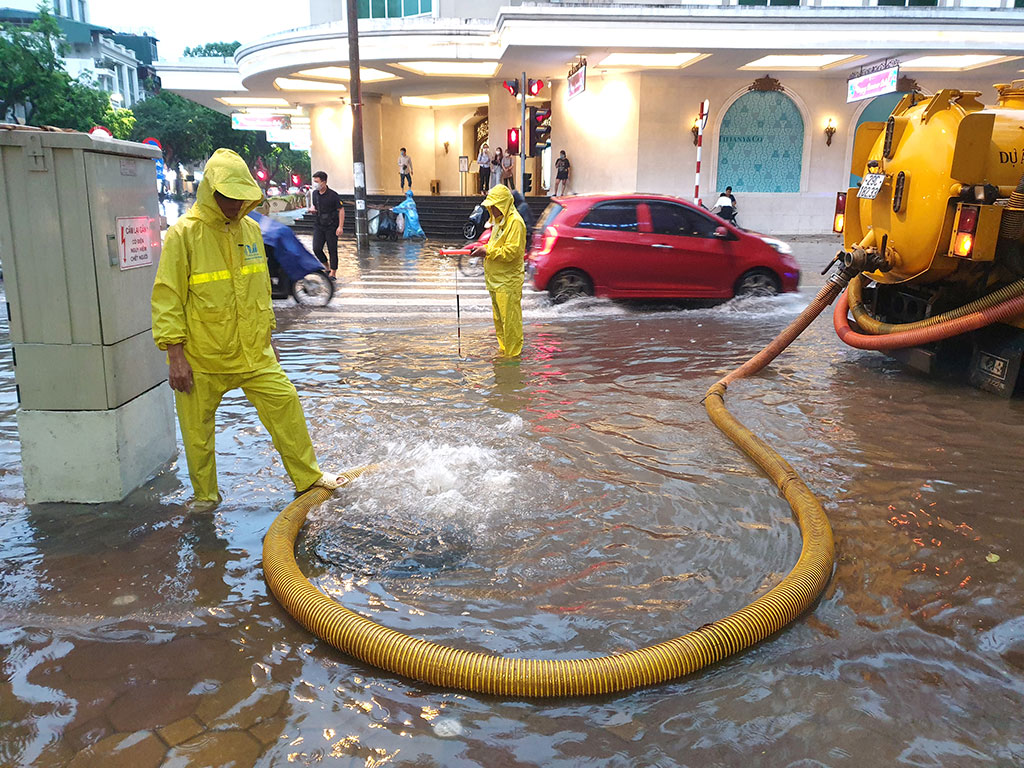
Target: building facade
(779,128)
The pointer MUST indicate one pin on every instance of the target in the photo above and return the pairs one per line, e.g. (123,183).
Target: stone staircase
(441,216)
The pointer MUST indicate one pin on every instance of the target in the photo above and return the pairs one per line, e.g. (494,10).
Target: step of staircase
(441,216)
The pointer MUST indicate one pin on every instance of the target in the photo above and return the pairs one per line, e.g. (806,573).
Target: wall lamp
(446,147)
(830,131)
(695,130)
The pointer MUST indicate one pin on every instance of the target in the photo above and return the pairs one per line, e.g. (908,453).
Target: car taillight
(840,216)
(549,238)
(966,225)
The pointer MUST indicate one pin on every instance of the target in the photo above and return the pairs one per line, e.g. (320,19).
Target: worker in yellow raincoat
(504,268)
(212,313)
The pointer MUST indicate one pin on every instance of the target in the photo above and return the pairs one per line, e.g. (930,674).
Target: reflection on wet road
(575,503)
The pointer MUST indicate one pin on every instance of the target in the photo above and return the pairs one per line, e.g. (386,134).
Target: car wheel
(569,284)
(758,282)
(469,231)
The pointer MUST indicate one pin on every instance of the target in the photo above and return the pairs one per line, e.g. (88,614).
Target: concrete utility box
(80,241)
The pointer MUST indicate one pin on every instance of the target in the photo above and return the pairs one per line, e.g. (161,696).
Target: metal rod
(524,87)
(358,158)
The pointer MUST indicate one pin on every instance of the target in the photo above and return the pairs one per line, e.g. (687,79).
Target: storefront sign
(299,138)
(578,78)
(243,121)
(870,84)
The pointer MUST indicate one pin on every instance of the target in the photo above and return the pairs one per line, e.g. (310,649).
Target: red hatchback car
(652,246)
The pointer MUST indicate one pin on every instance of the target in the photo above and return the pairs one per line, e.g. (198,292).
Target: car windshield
(617,217)
(549,215)
(673,219)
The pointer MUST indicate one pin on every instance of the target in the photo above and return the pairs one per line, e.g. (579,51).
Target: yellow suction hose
(448,667)
(869,324)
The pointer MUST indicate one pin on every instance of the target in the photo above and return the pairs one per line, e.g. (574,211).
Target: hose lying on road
(449,667)
(1001,304)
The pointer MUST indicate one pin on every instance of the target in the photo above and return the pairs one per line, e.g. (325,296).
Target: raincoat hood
(500,197)
(227,173)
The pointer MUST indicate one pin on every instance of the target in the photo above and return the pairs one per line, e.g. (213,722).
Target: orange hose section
(915,337)
(444,666)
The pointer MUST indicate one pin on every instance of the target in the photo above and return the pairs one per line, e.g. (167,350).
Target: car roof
(590,198)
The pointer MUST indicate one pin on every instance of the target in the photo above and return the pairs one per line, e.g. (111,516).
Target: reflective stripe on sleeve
(224,274)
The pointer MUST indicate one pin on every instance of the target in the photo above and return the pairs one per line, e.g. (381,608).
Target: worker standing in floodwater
(213,315)
(504,268)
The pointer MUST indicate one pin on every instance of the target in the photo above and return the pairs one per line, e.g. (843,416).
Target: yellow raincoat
(212,295)
(504,270)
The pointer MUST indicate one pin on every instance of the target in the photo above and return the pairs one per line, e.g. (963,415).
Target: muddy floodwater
(576,503)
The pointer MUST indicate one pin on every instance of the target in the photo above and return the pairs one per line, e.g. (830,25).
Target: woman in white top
(483,160)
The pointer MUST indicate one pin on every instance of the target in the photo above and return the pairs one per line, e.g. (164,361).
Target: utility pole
(358,159)
(524,87)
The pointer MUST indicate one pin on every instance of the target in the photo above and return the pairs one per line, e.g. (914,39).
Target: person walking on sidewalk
(212,313)
(330,219)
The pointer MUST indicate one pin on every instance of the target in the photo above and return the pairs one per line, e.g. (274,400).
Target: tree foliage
(75,105)
(121,122)
(222,49)
(31,68)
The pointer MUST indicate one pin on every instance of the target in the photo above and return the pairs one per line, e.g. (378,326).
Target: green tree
(31,69)
(71,104)
(225,50)
(121,122)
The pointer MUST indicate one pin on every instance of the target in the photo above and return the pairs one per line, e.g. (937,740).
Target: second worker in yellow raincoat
(213,315)
(504,268)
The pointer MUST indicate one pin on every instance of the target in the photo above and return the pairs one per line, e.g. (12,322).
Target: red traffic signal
(535,87)
(296,179)
(513,141)
(261,174)
(512,86)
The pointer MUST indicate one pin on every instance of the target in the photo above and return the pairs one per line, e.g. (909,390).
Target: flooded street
(576,503)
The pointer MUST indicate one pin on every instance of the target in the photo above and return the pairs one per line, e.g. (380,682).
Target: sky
(180,23)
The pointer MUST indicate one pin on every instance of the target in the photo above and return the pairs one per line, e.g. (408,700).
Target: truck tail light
(840,215)
(966,225)
(550,237)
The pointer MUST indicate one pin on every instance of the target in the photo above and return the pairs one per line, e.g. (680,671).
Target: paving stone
(190,658)
(259,706)
(269,731)
(182,730)
(122,750)
(90,732)
(215,749)
(216,703)
(150,705)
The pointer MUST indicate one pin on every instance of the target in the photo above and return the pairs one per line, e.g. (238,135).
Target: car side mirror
(722,233)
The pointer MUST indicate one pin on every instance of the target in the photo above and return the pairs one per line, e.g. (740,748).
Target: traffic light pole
(522,135)
(358,158)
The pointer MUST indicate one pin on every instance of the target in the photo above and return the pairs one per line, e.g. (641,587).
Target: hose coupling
(858,260)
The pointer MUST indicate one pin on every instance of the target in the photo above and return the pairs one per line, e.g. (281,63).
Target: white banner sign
(134,247)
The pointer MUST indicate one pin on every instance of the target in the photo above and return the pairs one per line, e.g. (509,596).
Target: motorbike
(475,224)
(294,271)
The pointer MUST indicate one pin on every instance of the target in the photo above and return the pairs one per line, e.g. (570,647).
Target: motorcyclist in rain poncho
(212,313)
(504,268)
(412,216)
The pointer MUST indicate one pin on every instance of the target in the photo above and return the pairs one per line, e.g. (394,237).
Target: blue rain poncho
(412,216)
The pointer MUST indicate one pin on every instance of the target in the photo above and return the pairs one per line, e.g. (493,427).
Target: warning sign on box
(133,242)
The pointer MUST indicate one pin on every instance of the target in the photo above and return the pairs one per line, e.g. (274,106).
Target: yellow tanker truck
(940,212)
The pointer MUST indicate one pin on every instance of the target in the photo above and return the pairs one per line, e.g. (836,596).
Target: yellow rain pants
(277,404)
(504,270)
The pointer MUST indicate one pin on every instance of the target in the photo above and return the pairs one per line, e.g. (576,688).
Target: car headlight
(778,245)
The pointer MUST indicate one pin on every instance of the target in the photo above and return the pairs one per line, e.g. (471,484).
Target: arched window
(761,144)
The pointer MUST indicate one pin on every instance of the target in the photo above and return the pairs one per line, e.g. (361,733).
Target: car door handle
(578,237)
(660,245)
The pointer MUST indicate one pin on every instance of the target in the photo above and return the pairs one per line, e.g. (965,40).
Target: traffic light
(534,87)
(512,86)
(261,174)
(539,130)
(527,182)
(296,179)
(513,141)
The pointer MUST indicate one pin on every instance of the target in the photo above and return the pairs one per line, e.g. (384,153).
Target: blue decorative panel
(761,144)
